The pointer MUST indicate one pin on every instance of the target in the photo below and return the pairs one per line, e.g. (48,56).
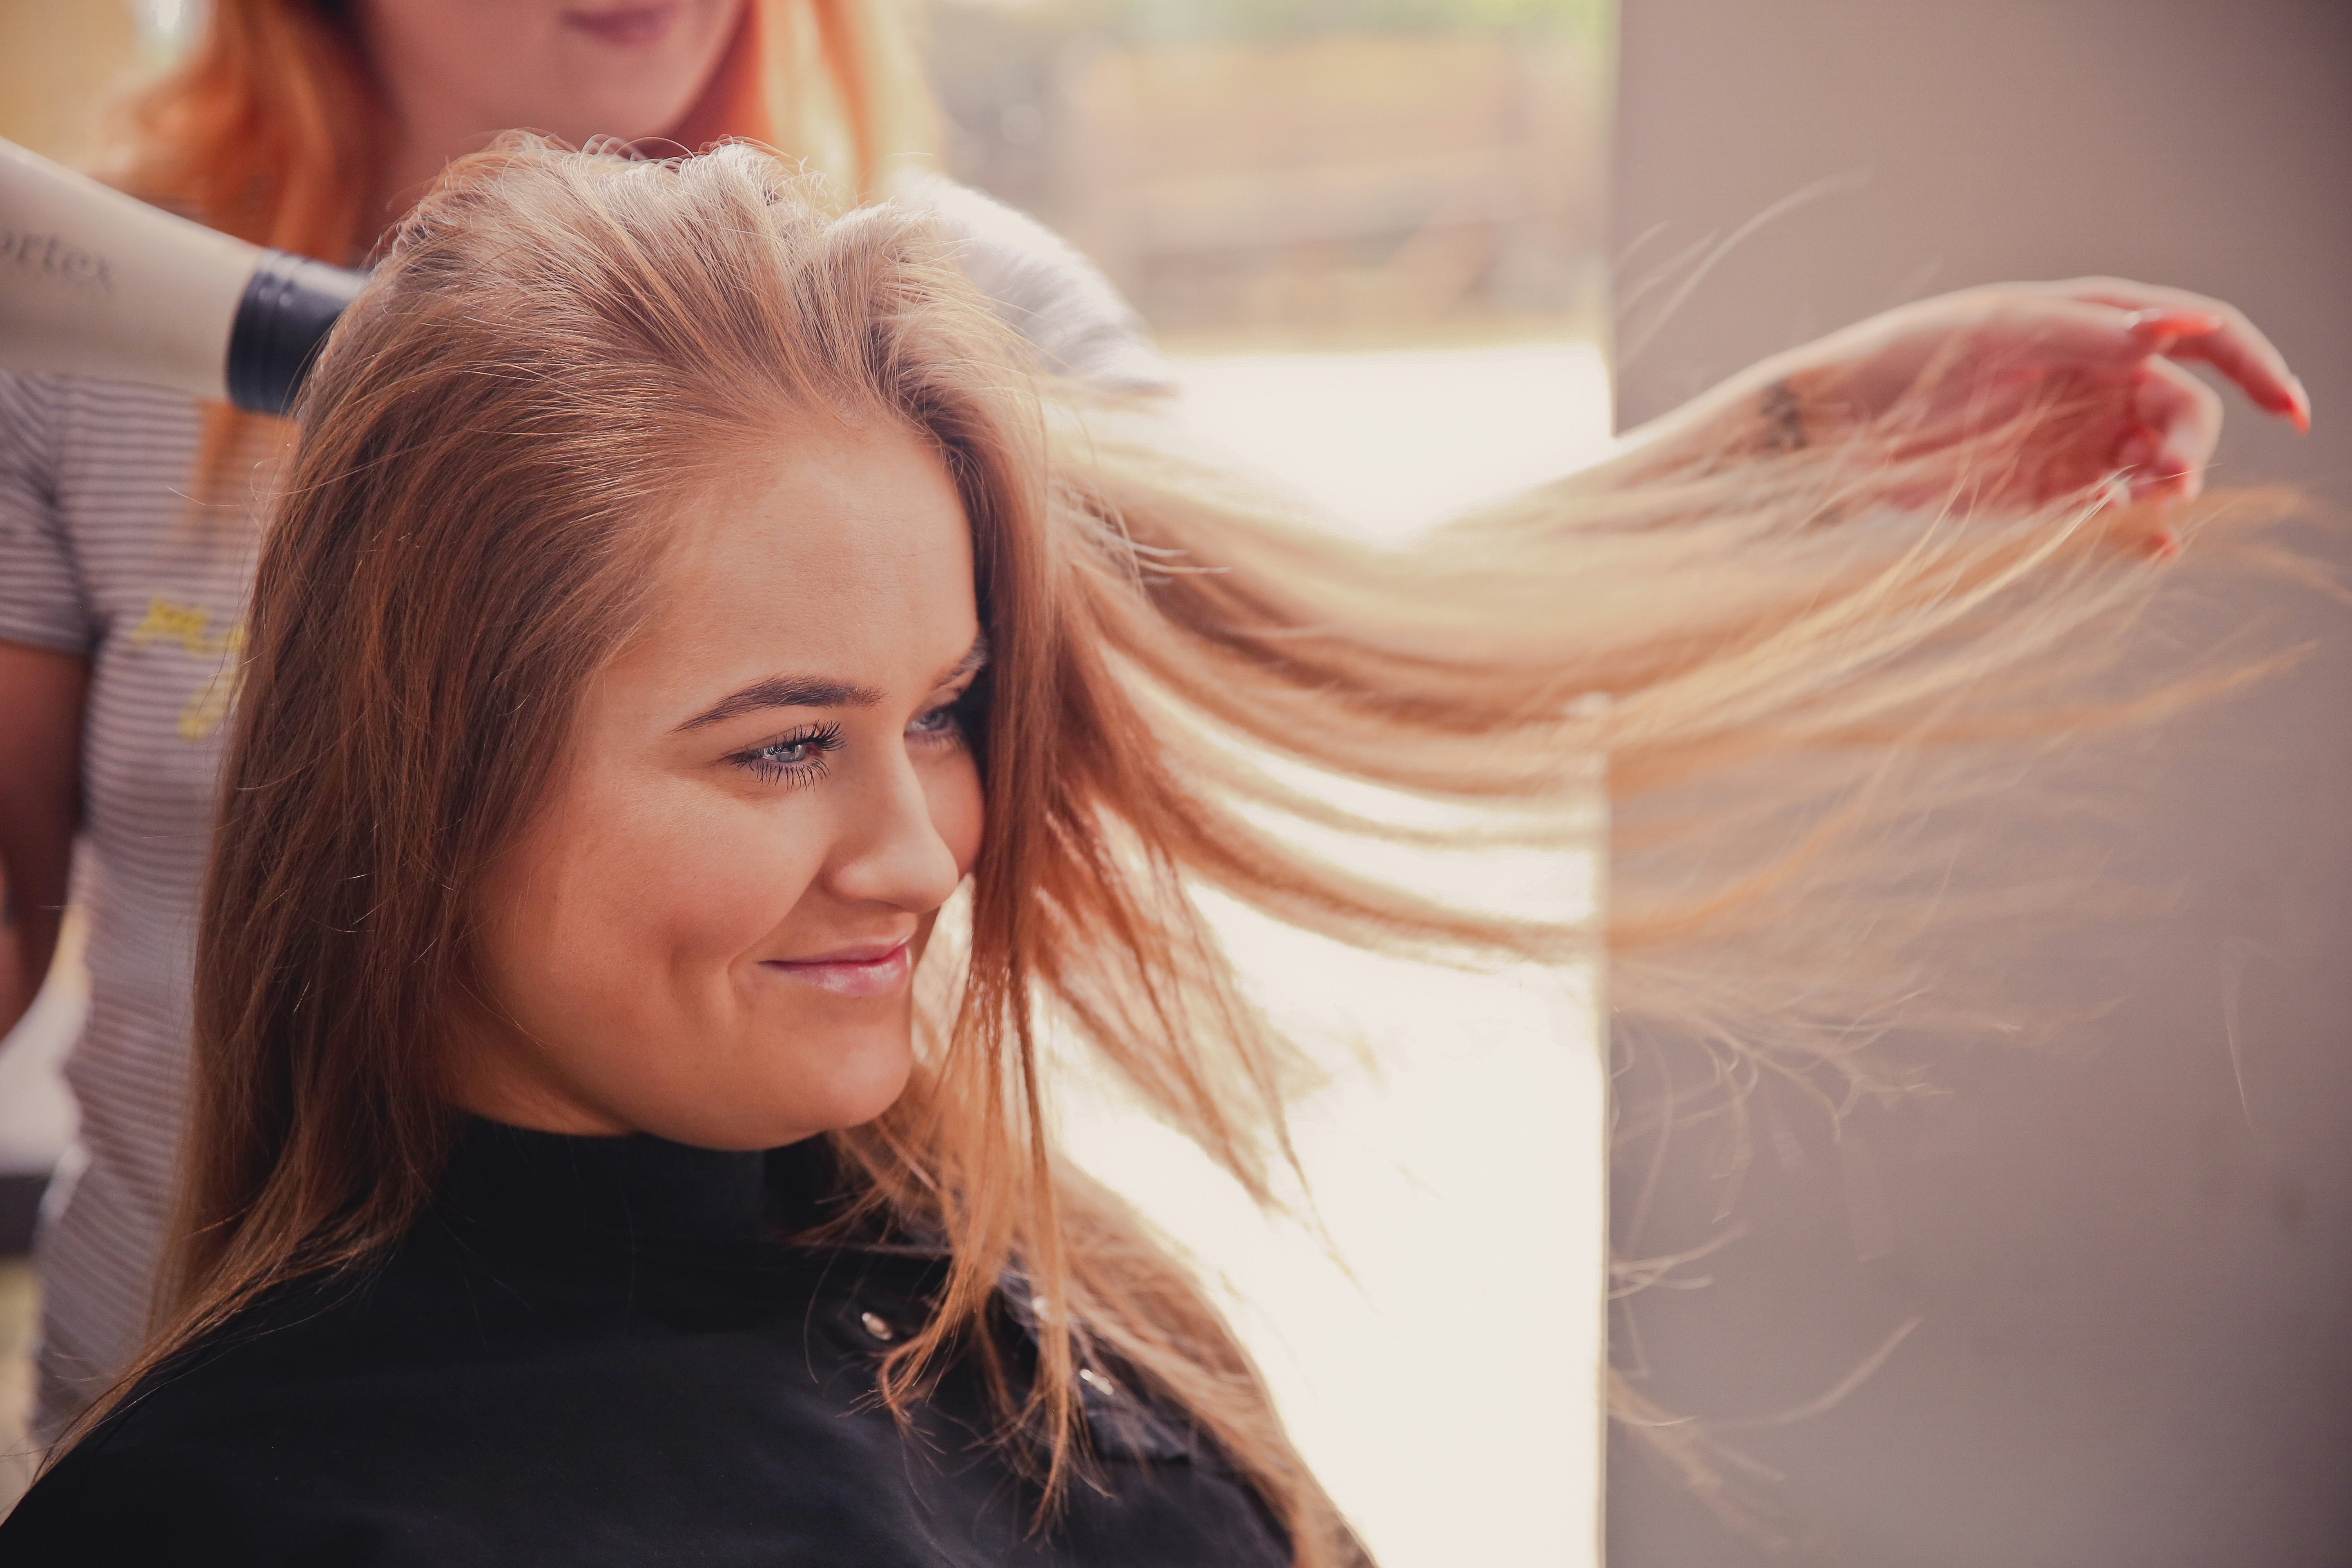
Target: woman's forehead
(847,552)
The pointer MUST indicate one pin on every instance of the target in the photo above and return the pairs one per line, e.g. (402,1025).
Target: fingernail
(2163,476)
(2175,323)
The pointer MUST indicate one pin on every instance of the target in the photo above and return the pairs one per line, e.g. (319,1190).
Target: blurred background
(1370,231)
(1327,173)
(2084,1310)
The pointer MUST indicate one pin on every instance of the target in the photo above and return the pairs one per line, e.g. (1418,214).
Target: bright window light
(1438,1348)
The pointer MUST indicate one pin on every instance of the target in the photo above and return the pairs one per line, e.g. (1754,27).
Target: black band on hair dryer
(95,283)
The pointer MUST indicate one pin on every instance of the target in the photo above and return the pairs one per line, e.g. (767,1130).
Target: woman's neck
(433,119)
(431,128)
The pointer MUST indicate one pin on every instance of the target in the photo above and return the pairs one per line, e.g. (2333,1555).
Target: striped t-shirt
(104,554)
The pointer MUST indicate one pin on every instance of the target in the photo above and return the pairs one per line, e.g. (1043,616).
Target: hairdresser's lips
(629,27)
(871,970)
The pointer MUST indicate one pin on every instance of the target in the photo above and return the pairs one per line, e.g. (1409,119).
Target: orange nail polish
(2176,324)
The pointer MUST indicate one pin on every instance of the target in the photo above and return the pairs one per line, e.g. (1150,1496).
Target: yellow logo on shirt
(190,626)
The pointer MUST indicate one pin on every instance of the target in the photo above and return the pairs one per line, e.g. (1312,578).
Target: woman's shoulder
(183,1505)
(156,1483)
(303,1431)
(443,1407)
(467,1396)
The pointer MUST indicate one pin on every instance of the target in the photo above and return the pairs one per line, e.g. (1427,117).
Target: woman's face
(706,933)
(575,68)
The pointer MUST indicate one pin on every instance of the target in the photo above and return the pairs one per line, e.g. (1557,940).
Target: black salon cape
(594,1354)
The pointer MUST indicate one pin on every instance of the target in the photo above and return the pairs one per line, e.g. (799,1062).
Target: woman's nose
(892,851)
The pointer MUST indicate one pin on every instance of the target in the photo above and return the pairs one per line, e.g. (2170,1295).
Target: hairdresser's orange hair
(273,130)
(273,127)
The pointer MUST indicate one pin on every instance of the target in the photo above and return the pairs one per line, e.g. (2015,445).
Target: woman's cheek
(733,875)
(685,877)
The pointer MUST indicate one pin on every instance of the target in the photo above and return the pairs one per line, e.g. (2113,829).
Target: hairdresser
(127,514)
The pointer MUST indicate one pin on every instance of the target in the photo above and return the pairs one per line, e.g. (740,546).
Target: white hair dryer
(95,283)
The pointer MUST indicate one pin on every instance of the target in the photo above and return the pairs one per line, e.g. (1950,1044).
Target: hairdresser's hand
(2088,370)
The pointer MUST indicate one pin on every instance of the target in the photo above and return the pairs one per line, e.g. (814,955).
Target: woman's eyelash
(799,756)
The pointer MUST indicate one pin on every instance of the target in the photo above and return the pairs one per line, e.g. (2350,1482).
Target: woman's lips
(870,972)
(630,26)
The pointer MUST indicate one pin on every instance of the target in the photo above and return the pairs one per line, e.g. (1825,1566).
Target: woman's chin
(858,1080)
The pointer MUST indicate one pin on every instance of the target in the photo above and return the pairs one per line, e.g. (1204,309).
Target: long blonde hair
(558,345)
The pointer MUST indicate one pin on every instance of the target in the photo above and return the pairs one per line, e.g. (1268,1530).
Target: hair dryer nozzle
(289,305)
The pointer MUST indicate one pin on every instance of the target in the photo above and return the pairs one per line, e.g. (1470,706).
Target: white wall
(2132,1267)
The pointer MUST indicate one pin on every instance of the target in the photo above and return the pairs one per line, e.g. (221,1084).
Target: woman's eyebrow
(784,691)
(974,658)
(817,691)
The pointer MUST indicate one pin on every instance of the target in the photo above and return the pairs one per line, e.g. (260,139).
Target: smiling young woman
(766,800)
(618,1135)
(614,733)
(130,515)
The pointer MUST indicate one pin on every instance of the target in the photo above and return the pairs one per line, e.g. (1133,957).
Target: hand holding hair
(2093,363)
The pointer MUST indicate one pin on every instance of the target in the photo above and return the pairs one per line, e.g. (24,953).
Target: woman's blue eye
(938,723)
(799,756)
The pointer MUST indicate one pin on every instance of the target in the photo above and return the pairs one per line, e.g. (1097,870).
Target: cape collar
(639,1186)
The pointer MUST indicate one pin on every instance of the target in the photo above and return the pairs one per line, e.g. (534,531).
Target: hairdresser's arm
(2102,354)
(41,695)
